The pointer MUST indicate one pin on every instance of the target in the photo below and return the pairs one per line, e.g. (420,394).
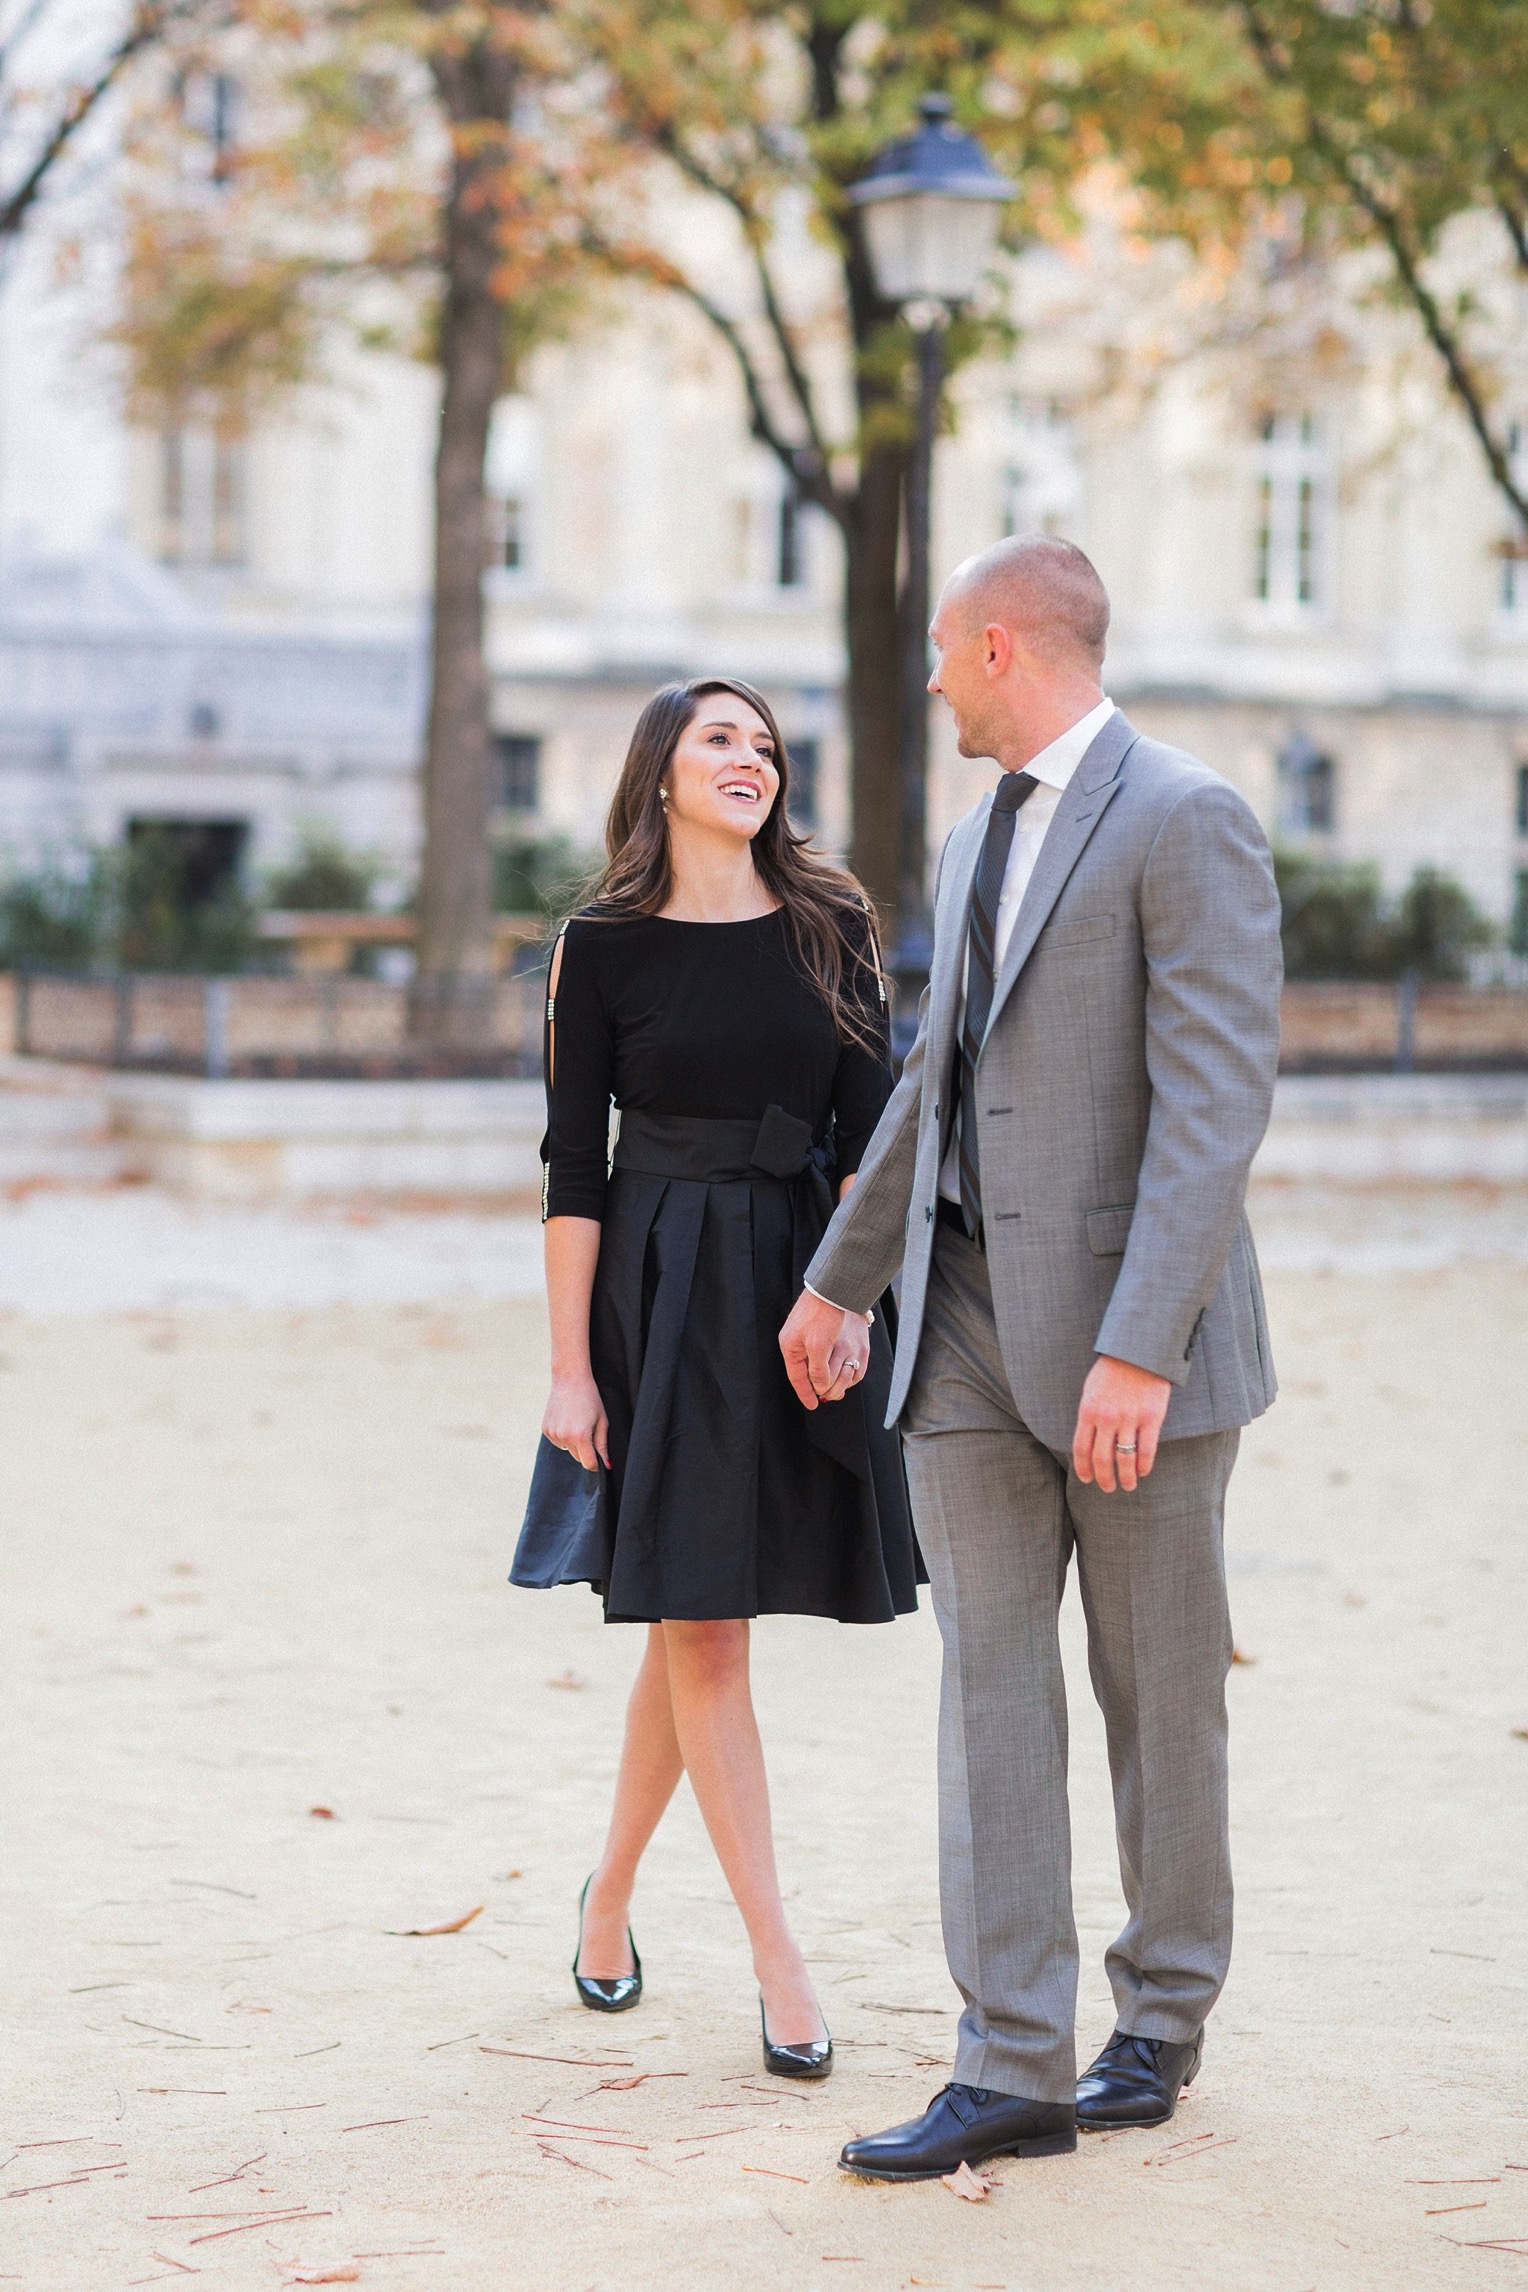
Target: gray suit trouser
(998,1516)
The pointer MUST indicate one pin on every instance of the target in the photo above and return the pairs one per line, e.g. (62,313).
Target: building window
(209,106)
(507,533)
(805,757)
(1517,932)
(1307,788)
(1521,810)
(202,498)
(518,755)
(1292,466)
(790,562)
(1042,484)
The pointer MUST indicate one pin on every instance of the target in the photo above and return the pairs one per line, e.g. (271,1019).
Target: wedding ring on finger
(1124,1448)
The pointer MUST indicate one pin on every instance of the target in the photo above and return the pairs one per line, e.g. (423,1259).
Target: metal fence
(321,1024)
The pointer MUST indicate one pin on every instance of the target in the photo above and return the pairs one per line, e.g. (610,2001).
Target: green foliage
(128,908)
(1333,920)
(1339,925)
(539,875)
(54,917)
(158,924)
(770,110)
(1391,121)
(324,876)
(1436,924)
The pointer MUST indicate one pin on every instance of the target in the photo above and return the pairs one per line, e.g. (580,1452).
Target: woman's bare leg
(649,1774)
(718,1737)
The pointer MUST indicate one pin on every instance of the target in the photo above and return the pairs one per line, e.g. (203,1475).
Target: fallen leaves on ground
(570,1679)
(324,1814)
(1239,1655)
(974,2187)
(446,1926)
(342,2272)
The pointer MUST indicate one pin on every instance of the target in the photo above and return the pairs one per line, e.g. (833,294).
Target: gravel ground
(116,1248)
(262,1476)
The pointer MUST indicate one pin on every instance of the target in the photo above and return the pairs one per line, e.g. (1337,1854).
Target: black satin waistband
(717,1151)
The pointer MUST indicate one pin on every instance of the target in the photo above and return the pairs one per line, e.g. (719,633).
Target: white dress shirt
(1053,768)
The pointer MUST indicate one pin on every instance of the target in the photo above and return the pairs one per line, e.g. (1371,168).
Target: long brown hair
(822,903)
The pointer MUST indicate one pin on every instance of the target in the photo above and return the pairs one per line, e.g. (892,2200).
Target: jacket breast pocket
(1077,930)
(1109,1230)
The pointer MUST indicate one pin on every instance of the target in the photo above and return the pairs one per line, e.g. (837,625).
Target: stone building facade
(1304,554)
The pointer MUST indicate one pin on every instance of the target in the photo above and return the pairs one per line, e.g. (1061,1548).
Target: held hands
(575,1420)
(825,1349)
(1118,1424)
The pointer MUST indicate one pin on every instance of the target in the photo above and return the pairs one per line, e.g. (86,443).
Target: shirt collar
(1055,764)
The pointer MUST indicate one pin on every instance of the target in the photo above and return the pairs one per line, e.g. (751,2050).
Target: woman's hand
(575,1420)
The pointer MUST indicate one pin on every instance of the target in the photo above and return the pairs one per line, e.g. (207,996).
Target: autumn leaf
(324,1814)
(974,2187)
(342,2272)
(446,1926)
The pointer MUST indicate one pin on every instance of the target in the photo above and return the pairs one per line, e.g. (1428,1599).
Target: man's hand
(1118,1424)
(825,1349)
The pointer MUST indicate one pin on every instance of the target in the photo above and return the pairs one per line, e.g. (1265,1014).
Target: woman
(723,989)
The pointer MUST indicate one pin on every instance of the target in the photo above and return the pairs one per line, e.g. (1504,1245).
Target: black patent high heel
(814,2060)
(605,1994)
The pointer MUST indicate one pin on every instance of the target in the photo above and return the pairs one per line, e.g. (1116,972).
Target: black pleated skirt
(726,1497)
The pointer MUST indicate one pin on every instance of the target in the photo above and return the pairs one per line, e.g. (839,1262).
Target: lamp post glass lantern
(929,207)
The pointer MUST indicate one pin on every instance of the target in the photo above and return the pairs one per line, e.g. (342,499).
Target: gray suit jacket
(1124,1084)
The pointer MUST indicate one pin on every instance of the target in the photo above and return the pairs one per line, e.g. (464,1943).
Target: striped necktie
(1013,790)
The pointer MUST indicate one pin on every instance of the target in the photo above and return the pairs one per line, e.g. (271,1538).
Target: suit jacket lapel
(1084,800)
(948,969)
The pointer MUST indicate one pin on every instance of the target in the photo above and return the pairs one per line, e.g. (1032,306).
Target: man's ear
(997,650)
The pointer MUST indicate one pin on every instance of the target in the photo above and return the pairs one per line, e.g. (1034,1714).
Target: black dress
(741,1114)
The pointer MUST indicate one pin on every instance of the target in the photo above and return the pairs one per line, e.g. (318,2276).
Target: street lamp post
(930,205)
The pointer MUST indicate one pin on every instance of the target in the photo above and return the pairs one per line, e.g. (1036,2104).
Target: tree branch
(806,471)
(1517,230)
(1407,258)
(1512,203)
(146,27)
(796,375)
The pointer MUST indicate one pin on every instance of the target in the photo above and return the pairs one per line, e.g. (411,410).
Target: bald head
(1043,590)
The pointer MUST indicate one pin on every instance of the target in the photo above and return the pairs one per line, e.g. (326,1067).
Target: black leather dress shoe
(963,2124)
(1135,2081)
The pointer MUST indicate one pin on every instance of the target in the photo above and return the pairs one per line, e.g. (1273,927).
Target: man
(1060,1175)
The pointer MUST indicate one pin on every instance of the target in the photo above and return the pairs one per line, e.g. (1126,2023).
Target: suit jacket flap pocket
(1072,930)
(1109,1230)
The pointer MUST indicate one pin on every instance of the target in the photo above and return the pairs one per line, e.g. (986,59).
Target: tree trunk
(871,629)
(872,625)
(451,1004)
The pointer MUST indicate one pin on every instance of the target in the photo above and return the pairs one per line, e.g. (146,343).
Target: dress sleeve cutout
(579,1057)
